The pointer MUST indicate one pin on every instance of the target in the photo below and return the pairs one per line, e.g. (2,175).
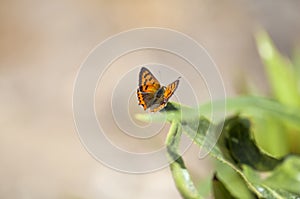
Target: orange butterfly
(151,94)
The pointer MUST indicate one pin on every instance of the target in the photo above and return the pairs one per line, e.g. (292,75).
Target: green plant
(258,149)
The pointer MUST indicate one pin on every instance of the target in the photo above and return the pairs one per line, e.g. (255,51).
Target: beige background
(43,43)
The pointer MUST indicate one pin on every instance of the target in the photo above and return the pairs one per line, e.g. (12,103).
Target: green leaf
(265,190)
(233,182)
(196,127)
(219,189)
(280,71)
(205,186)
(286,176)
(183,180)
(276,125)
(173,111)
(257,188)
(180,174)
(271,135)
(237,145)
(254,106)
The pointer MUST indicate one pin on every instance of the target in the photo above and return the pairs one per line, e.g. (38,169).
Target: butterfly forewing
(171,88)
(147,81)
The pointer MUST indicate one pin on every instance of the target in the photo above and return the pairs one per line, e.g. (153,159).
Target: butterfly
(151,94)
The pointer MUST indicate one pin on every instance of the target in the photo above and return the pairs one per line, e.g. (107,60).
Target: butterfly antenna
(159,74)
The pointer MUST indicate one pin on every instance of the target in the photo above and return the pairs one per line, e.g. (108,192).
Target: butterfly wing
(157,107)
(148,86)
(145,99)
(168,92)
(147,82)
(170,89)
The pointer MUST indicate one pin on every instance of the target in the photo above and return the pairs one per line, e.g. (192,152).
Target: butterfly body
(151,94)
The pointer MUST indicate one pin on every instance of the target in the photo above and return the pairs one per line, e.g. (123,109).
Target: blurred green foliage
(272,134)
(258,149)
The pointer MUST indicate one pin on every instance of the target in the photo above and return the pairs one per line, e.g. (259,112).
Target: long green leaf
(281,73)
(180,173)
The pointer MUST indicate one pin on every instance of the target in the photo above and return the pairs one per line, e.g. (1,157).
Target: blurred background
(42,46)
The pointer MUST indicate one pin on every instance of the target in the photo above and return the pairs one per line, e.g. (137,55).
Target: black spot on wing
(143,73)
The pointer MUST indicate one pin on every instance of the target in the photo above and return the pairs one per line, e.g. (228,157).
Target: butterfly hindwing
(158,107)
(168,92)
(145,99)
